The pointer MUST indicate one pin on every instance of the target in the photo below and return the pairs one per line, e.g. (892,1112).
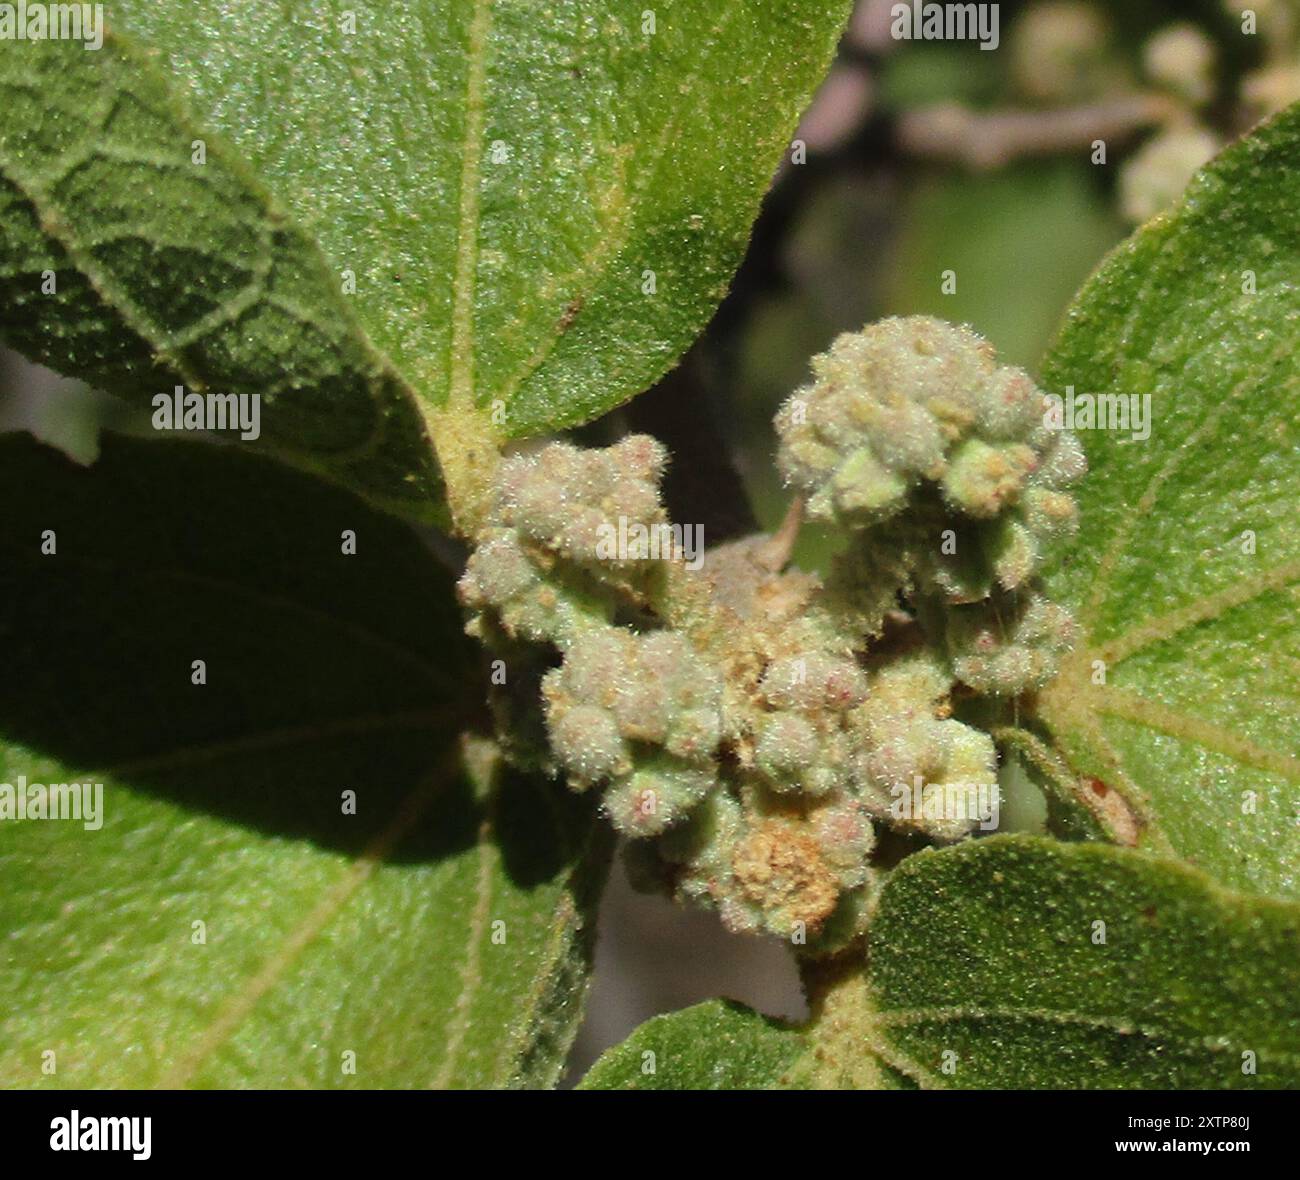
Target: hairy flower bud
(658,794)
(943,464)
(1005,656)
(813,680)
(549,563)
(640,712)
(885,406)
(565,499)
(587,741)
(781,872)
(912,744)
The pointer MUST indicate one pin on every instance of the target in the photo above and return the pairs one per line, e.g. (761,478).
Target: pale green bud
(497,572)
(787,745)
(694,733)
(1007,652)
(1014,551)
(567,500)
(587,741)
(861,487)
(1011,406)
(982,480)
(846,836)
(1062,462)
(814,680)
(655,796)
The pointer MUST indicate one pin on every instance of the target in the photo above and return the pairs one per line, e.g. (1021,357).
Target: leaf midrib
(460,383)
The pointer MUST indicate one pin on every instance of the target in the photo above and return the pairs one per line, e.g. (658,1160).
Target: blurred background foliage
(926,178)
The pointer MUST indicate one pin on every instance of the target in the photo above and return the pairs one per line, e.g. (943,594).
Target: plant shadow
(188,620)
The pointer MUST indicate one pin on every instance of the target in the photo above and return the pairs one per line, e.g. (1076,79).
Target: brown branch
(989,139)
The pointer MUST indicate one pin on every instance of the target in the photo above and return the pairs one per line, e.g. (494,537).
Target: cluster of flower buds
(942,463)
(911,741)
(548,564)
(785,848)
(781,845)
(548,568)
(640,713)
(747,726)
(767,865)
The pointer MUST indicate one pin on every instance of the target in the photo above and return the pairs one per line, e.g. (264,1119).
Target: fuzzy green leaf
(991,952)
(1185,572)
(501,179)
(128,261)
(458,893)
(717,1045)
(541,209)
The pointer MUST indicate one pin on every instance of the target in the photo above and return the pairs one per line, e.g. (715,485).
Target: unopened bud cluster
(938,460)
(538,566)
(639,713)
(750,728)
(1004,652)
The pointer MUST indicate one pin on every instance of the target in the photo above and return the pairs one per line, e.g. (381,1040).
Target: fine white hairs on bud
(1005,656)
(912,433)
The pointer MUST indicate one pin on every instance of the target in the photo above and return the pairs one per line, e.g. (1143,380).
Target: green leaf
(168,272)
(717,1045)
(501,178)
(1184,574)
(506,185)
(324,932)
(991,951)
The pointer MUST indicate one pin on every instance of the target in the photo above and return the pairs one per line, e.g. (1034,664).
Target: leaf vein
(275,967)
(460,393)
